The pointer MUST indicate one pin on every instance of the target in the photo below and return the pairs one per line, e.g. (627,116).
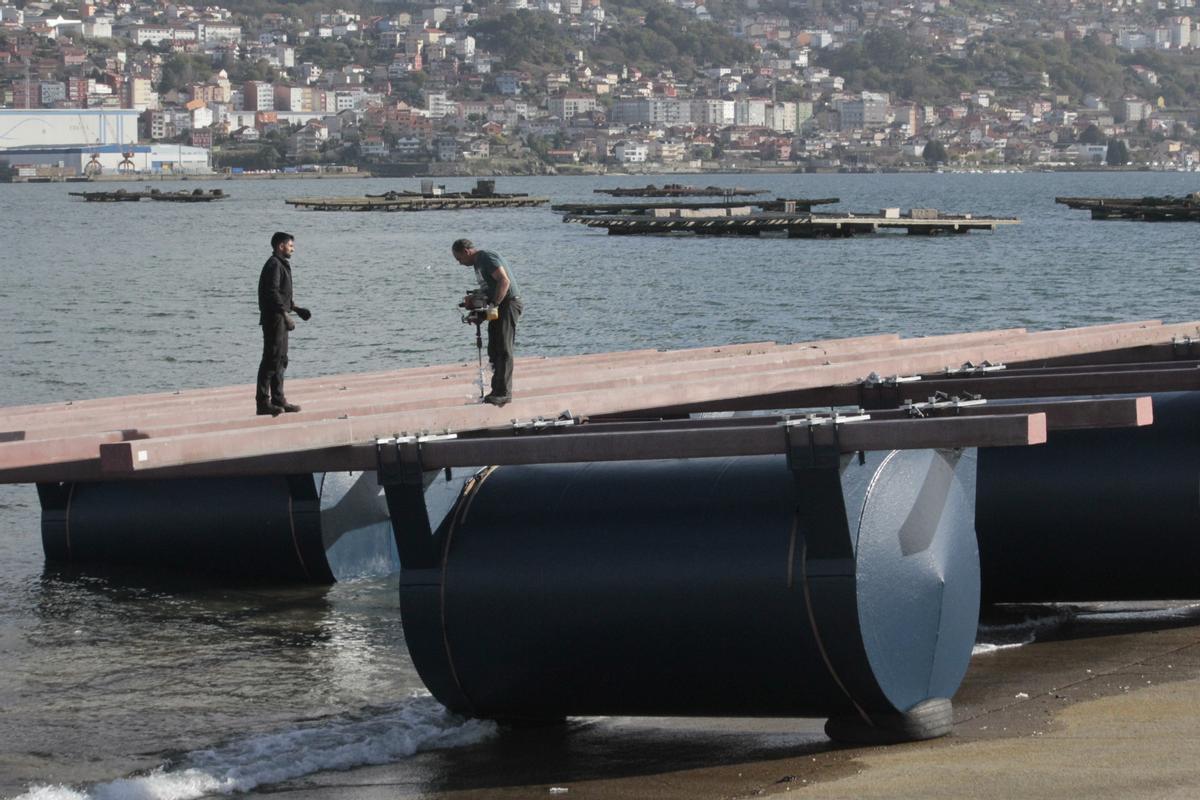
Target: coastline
(599,173)
(1104,711)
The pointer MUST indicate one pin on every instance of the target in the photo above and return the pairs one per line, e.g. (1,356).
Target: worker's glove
(303,313)
(289,323)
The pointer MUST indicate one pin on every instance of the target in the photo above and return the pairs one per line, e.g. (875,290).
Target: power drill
(478,309)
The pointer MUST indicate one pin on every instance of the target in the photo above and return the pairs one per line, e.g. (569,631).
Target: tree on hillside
(934,152)
(243,70)
(329,53)
(668,37)
(887,60)
(181,70)
(411,89)
(1117,154)
(1091,135)
(534,37)
(888,49)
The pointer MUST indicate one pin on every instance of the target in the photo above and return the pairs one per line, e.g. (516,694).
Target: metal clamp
(398,461)
(404,466)
(833,418)
(401,473)
(968,368)
(811,455)
(886,390)
(1183,346)
(563,420)
(940,400)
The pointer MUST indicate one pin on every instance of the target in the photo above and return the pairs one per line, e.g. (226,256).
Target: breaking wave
(378,735)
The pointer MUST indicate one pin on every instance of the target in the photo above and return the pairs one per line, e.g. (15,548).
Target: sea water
(145,684)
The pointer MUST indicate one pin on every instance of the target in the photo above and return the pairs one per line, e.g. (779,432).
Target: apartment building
(565,106)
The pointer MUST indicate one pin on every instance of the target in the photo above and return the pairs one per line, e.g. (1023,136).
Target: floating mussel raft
(1143,209)
(430,198)
(679,190)
(121,195)
(793,222)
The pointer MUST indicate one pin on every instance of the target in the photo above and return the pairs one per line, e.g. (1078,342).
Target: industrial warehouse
(66,143)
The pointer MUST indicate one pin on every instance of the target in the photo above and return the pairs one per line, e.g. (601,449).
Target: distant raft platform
(430,198)
(741,221)
(679,190)
(1144,209)
(784,204)
(414,202)
(121,195)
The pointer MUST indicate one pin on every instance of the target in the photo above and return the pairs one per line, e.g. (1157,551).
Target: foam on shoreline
(378,735)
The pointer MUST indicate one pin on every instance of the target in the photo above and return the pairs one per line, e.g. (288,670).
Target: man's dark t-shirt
(486,262)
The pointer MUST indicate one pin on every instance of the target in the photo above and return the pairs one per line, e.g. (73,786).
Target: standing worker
(274,304)
(498,284)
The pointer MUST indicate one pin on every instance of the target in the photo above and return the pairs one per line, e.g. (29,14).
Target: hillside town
(443,87)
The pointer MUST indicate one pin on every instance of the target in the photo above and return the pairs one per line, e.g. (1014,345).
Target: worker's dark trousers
(502,337)
(274,361)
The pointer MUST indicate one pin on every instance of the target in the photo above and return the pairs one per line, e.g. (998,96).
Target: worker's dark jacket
(274,288)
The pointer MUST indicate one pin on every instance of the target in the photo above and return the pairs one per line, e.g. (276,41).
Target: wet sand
(1101,706)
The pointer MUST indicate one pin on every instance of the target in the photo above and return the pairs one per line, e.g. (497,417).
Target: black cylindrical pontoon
(263,528)
(727,586)
(1106,514)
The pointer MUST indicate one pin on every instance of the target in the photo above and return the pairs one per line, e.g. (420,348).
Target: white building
(1181,32)
(707,111)
(293,98)
(98,28)
(148,34)
(285,54)
(154,159)
(141,94)
(782,117)
(653,111)
(565,106)
(1132,39)
(1135,109)
(868,111)
(309,72)
(202,117)
(47,127)
(51,92)
(213,32)
(750,111)
(438,105)
(345,101)
(629,152)
(667,150)
(258,96)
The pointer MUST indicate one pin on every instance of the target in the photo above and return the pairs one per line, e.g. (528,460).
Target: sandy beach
(1102,706)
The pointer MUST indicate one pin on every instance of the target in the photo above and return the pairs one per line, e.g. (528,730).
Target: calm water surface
(140,685)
